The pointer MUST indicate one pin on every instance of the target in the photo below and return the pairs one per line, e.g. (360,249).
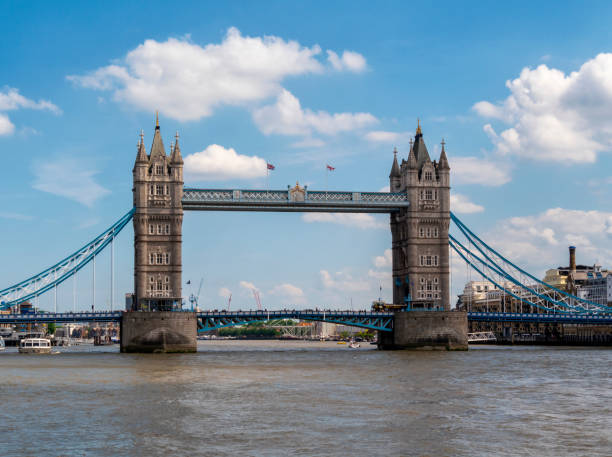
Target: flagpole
(326,176)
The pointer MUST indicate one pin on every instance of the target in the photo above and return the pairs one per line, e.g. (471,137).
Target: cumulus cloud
(382,136)
(383,261)
(187,81)
(351,61)
(219,163)
(475,170)
(224,292)
(69,178)
(553,116)
(6,126)
(358,220)
(461,204)
(11,99)
(248,285)
(289,292)
(286,117)
(343,281)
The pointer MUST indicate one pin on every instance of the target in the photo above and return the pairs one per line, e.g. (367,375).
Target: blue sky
(520,91)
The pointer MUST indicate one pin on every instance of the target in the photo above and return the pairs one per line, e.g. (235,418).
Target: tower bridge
(418,205)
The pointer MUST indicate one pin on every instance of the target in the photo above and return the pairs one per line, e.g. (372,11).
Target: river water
(276,398)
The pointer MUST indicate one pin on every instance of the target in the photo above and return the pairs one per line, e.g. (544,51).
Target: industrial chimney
(572,259)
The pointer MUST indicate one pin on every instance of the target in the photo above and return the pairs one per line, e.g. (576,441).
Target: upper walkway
(297,199)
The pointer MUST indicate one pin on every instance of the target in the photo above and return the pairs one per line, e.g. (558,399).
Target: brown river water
(274,398)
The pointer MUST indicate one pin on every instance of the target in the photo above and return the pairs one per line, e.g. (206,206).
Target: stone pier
(158,331)
(427,330)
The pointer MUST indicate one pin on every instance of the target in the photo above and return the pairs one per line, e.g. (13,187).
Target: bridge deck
(366,319)
(288,200)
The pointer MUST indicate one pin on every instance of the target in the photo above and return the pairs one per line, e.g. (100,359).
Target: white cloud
(15,216)
(289,292)
(382,136)
(553,116)
(385,260)
(187,81)
(474,170)
(11,99)
(224,292)
(351,61)
(343,281)
(248,285)
(309,143)
(358,220)
(218,163)
(286,117)
(461,204)
(6,126)
(69,178)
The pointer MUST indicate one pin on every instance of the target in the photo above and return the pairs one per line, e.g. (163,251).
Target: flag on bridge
(270,166)
(189,282)
(330,168)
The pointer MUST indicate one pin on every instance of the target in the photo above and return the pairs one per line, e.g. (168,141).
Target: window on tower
(159,169)
(159,189)
(428,176)
(428,194)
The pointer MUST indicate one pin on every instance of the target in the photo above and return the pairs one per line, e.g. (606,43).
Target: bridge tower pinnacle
(158,220)
(421,275)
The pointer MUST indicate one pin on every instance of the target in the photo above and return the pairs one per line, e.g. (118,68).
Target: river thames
(274,398)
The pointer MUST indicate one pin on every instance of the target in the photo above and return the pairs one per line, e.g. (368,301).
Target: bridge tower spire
(421,275)
(158,219)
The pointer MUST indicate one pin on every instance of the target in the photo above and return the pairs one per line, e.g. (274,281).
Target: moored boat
(2,344)
(35,346)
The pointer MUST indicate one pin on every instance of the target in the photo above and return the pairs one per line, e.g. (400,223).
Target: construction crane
(257,299)
(193,299)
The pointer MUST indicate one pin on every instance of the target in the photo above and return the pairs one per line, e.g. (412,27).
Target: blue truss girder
(286,200)
(43,318)
(554,318)
(64,269)
(549,297)
(212,320)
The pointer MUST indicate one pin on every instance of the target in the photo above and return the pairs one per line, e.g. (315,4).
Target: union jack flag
(330,168)
(270,166)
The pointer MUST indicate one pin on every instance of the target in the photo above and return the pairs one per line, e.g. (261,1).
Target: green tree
(51,327)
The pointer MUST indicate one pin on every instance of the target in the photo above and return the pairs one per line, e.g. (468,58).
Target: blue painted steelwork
(212,320)
(293,200)
(552,298)
(555,318)
(383,321)
(64,269)
(43,318)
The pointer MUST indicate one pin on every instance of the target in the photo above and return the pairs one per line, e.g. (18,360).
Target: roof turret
(395,169)
(157,148)
(420,150)
(141,156)
(443,163)
(176,152)
(412,161)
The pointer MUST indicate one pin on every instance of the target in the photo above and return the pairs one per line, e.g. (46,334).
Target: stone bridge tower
(158,191)
(421,275)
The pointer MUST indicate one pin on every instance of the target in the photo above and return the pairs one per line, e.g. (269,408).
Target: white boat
(1,344)
(353,345)
(35,346)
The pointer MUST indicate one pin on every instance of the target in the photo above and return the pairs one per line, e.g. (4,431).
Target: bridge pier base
(427,330)
(158,331)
